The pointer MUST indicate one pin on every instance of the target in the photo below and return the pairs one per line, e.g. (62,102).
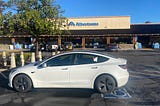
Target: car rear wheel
(22,83)
(105,84)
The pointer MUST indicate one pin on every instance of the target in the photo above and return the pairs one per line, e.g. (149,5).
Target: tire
(105,84)
(22,83)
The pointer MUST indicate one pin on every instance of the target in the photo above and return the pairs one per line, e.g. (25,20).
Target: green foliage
(31,17)
(2,7)
(34,17)
(27,57)
(8,23)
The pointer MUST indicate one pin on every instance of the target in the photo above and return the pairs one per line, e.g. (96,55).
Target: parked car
(78,69)
(52,46)
(111,47)
(67,46)
(40,48)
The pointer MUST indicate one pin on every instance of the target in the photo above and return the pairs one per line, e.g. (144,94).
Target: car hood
(27,68)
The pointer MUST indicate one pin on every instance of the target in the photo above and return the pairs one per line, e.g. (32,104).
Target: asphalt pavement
(143,86)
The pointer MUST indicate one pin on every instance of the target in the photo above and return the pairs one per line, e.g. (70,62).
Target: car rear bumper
(123,80)
(10,85)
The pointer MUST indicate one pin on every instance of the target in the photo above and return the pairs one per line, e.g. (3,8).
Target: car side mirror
(44,65)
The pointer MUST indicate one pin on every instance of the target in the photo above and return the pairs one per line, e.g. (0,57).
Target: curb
(1,70)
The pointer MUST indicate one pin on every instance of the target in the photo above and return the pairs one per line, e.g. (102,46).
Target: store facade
(85,31)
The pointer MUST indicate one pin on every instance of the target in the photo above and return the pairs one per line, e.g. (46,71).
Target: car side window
(102,59)
(63,60)
(89,59)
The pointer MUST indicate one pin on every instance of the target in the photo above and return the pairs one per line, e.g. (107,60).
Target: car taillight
(124,66)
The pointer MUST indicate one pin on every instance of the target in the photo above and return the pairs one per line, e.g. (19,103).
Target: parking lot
(143,86)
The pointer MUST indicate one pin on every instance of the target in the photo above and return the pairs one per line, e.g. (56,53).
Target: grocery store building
(85,31)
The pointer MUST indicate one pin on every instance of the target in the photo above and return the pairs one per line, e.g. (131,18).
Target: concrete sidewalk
(3,70)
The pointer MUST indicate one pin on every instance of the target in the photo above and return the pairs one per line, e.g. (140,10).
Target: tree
(2,8)
(35,17)
(148,22)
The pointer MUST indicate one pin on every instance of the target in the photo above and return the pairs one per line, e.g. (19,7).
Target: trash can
(139,45)
(156,45)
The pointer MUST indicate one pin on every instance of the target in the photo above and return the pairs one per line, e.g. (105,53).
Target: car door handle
(64,68)
(94,67)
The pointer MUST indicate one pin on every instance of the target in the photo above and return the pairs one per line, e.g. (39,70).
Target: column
(83,42)
(108,40)
(59,41)
(134,40)
(12,40)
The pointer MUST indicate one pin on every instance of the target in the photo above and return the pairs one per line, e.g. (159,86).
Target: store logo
(83,24)
(71,24)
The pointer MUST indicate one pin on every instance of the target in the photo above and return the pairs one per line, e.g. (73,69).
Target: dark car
(111,47)
(67,46)
(40,48)
(53,47)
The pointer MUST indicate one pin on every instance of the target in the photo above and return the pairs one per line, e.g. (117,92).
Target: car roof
(87,52)
(82,51)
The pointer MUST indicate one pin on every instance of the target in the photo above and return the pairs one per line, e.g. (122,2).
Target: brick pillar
(108,40)
(59,41)
(12,40)
(83,42)
(134,40)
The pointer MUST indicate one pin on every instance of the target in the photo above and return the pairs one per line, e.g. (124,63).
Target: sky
(140,11)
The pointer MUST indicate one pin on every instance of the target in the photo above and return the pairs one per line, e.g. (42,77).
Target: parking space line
(117,94)
(3,75)
(143,73)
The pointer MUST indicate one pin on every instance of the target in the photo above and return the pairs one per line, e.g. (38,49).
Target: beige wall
(115,22)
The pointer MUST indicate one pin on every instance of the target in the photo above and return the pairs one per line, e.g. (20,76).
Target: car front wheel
(22,83)
(105,84)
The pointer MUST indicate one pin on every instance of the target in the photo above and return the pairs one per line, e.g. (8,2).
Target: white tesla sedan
(81,69)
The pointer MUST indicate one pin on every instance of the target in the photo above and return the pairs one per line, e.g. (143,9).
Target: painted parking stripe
(117,94)
(3,75)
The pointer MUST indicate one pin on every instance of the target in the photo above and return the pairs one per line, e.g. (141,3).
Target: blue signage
(83,24)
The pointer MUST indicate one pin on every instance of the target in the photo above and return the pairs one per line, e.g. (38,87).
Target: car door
(55,72)
(82,73)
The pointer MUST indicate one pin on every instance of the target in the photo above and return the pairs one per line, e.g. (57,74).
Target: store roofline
(156,23)
(97,17)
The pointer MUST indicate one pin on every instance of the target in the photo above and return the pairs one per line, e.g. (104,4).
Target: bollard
(22,58)
(4,58)
(13,62)
(33,57)
(53,53)
(58,52)
(40,56)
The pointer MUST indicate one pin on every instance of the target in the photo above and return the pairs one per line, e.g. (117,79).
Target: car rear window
(90,59)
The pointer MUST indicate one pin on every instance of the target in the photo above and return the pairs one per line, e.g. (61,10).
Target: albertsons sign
(83,23)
